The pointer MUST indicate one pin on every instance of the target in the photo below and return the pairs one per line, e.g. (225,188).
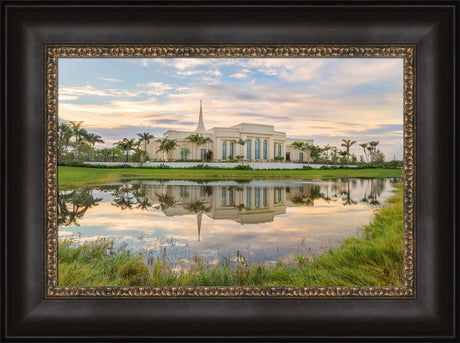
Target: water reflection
(264,219)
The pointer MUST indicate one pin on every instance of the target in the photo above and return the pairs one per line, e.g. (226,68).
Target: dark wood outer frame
(27,314)
(54,52)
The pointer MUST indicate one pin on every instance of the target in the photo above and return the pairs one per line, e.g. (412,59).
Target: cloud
(83,90)
(110,80)
(67,97)
(239,75)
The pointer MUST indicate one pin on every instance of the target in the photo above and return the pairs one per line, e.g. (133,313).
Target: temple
(249,141)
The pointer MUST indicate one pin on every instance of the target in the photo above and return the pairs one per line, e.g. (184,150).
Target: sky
(325,99)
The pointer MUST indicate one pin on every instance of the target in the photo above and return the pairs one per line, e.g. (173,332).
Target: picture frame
(30,311)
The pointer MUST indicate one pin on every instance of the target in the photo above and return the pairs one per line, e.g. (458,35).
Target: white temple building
(262,144)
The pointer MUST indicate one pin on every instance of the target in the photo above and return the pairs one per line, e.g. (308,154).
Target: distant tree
(145,138)
(364,146)
(92,139)
(194,139)
(373,145)
(105,153)
(116,153)
(325,152)
(126,145)
(377,157)
(185,151)
(167,146)
(203,141)
(64,135)
(343,156)
(78,133)
(298,145)
(347,143)
(334,155)
(313,150)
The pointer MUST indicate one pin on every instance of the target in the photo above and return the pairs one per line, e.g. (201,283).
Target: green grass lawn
(74,177)
(375,258)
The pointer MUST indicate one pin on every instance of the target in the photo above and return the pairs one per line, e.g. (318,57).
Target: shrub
(242,167)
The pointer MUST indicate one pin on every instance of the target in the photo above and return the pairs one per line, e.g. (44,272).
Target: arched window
(279,150)
(231,149)
(224,150)
(265,149)
(248,150)
(257,197)
(257,147)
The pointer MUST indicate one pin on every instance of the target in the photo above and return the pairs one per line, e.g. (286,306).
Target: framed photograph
(197,164)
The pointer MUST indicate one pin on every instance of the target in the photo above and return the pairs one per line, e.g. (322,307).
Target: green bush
(242,167)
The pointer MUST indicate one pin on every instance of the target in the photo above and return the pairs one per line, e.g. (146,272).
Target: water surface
(186,221)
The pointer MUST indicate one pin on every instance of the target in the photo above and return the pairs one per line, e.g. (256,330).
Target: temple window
(248,150)
(265,149)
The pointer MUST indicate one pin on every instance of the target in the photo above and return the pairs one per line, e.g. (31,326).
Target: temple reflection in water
(245,203)
(265,219)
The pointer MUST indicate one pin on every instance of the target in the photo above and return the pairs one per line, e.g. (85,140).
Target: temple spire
(200,126)
(199,216)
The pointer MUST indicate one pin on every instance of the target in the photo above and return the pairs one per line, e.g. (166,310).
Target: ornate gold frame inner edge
(53,52)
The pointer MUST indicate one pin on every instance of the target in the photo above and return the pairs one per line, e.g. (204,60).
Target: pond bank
(373,259)
(73,177)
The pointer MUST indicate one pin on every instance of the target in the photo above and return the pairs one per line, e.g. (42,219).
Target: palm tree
(115,152)
(145,137)
(203,141)
(126,145)
(298,145)
(314,150)
(78,132)
(194,139)
(105,153)
(347,143)
(364,146)
(373,145)
(92,139)
(326,149)
(64,136)
(185,151)
(334,152)
(166,145)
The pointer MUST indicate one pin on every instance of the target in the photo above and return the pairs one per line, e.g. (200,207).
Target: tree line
(77,144)
(333,155)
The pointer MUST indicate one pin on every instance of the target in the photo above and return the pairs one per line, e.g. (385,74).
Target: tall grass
(375,258)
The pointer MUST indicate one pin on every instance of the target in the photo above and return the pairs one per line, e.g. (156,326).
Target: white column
(270,154)
(218,152)
(253,148)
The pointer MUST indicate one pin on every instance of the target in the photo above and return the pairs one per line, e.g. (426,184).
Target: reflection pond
(183,221)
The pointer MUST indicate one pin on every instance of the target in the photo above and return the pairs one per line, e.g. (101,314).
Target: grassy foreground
(374,259)
(73,177)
